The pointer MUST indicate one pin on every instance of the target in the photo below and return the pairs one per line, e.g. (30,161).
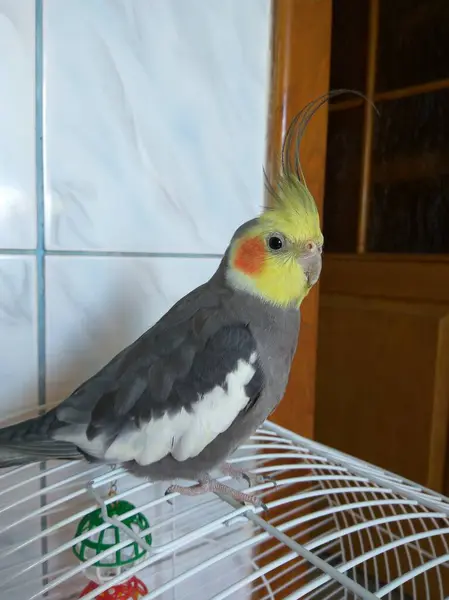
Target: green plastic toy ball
(116,562)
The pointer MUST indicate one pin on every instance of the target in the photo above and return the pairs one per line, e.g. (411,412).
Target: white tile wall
(17,138)
(159,105)
(18,334)
(98,305)
(154,132)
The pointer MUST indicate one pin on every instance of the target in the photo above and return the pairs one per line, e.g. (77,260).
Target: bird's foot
(207,484)
(250,478)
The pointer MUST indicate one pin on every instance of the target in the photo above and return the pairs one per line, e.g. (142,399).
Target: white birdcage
(336,528)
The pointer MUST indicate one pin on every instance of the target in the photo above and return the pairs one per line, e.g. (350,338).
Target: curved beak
(311,265)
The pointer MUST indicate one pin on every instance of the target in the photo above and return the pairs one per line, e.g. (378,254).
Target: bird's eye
(275,242)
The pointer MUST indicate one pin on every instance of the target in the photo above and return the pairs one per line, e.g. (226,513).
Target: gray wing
(172,391)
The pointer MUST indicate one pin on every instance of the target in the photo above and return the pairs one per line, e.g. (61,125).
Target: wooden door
(383,342)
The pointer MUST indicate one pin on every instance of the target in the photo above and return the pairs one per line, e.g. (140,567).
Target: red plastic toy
(133,589)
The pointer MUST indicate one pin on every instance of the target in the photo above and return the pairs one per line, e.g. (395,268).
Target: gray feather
(29,441)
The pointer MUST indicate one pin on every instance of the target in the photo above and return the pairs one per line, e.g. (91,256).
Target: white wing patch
(185,435)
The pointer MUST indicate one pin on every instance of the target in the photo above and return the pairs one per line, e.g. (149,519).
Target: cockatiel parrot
(179,401)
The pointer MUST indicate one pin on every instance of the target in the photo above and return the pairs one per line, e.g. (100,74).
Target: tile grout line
(106,253)
(17,251)
(130,254)
(40,246)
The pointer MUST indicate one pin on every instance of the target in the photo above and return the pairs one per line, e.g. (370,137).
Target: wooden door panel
(411,278)
(382,383)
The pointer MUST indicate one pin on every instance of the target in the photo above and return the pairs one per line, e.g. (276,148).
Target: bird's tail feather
(29,441)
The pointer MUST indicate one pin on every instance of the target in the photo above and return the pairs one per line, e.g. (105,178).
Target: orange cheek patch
(250,255)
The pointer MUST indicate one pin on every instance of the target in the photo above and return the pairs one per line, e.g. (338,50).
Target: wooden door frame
(300,71)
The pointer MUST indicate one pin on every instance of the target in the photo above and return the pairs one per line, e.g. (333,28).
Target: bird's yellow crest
(278,255)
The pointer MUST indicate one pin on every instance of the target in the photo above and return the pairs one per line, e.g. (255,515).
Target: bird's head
(278,255)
